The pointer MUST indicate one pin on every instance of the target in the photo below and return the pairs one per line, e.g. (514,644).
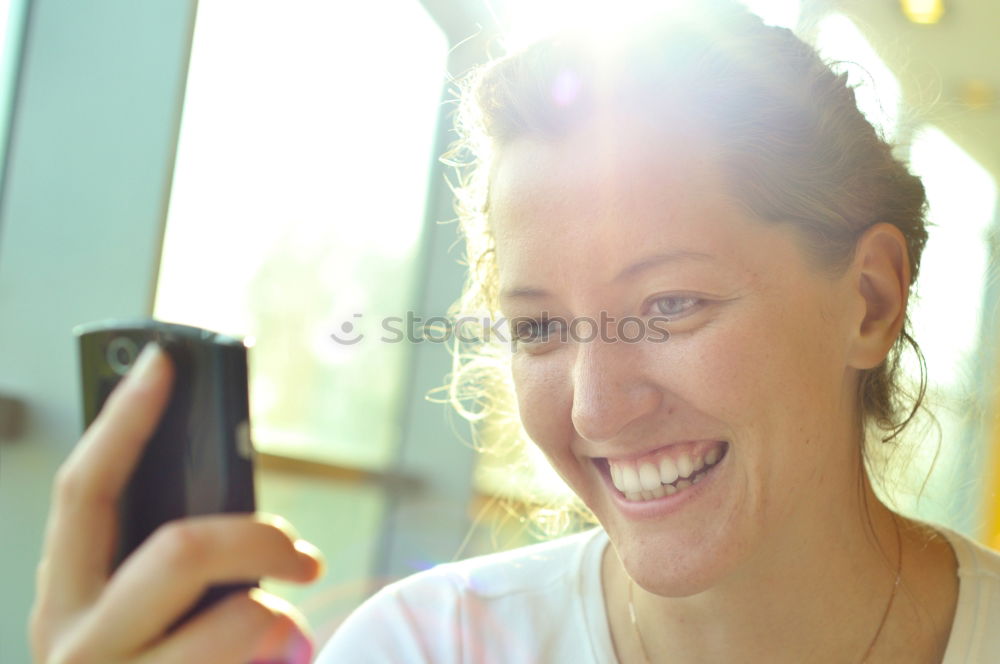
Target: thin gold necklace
(871,646)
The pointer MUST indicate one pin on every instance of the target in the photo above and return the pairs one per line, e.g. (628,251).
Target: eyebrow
(659,259)
(629,272)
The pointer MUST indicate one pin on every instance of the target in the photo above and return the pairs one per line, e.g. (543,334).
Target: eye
(532,330)
(675,306)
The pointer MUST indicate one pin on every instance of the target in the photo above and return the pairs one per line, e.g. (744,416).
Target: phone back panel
(200,458)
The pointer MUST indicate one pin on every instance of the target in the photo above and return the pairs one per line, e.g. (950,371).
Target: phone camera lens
(120,354)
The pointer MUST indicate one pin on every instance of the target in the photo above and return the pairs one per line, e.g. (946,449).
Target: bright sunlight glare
(876,87)
(962,197)
(525,21)
(273,172)
(783,13)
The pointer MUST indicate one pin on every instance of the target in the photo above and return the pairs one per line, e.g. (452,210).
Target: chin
(682,543)
(672,569)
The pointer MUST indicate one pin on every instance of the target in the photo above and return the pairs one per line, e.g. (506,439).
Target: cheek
(544,399)
(765,381)
(716,371)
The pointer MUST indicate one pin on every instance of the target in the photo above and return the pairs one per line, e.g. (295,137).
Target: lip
(667,505)
(695,445)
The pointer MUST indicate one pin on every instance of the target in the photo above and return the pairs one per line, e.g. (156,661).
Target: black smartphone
(200,458)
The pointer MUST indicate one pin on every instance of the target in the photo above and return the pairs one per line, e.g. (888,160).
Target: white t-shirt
(544,604)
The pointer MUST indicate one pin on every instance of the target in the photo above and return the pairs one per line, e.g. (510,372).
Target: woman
(706,198)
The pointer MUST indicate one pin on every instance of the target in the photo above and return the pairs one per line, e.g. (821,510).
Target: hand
(84,614)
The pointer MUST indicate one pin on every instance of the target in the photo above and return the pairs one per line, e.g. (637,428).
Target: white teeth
(684,465)
(616,476)
(648,477)
(668,471)
(647,482)
(630,480)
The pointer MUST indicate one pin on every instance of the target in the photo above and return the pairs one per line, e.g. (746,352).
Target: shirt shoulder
(510,606)
(975,634)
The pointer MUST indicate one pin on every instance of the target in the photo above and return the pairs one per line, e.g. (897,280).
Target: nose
(611,389)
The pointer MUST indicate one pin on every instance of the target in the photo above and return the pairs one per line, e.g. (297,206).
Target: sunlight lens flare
(525,21)
(782,13)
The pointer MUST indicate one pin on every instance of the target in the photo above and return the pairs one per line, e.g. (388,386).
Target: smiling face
(753,377)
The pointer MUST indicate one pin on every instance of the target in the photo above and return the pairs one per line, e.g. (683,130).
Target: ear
(881,286)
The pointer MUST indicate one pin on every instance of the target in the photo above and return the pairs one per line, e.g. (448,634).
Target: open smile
(663,475)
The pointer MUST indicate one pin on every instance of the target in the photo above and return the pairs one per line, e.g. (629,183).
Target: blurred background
(271,170)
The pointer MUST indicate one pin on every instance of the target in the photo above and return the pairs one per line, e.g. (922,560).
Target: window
(946,317)
(11,23)
(297,207)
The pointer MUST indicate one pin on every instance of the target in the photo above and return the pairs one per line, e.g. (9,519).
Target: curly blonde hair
(793,146)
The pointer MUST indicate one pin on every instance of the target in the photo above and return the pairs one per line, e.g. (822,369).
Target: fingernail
(145,361)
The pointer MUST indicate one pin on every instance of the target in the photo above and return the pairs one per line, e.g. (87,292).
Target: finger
(82,525)
(245,626)
(171,569)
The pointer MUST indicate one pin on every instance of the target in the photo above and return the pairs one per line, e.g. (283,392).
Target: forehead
(602,194)
(611,164)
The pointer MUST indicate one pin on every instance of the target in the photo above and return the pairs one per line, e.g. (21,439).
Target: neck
(817,592)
